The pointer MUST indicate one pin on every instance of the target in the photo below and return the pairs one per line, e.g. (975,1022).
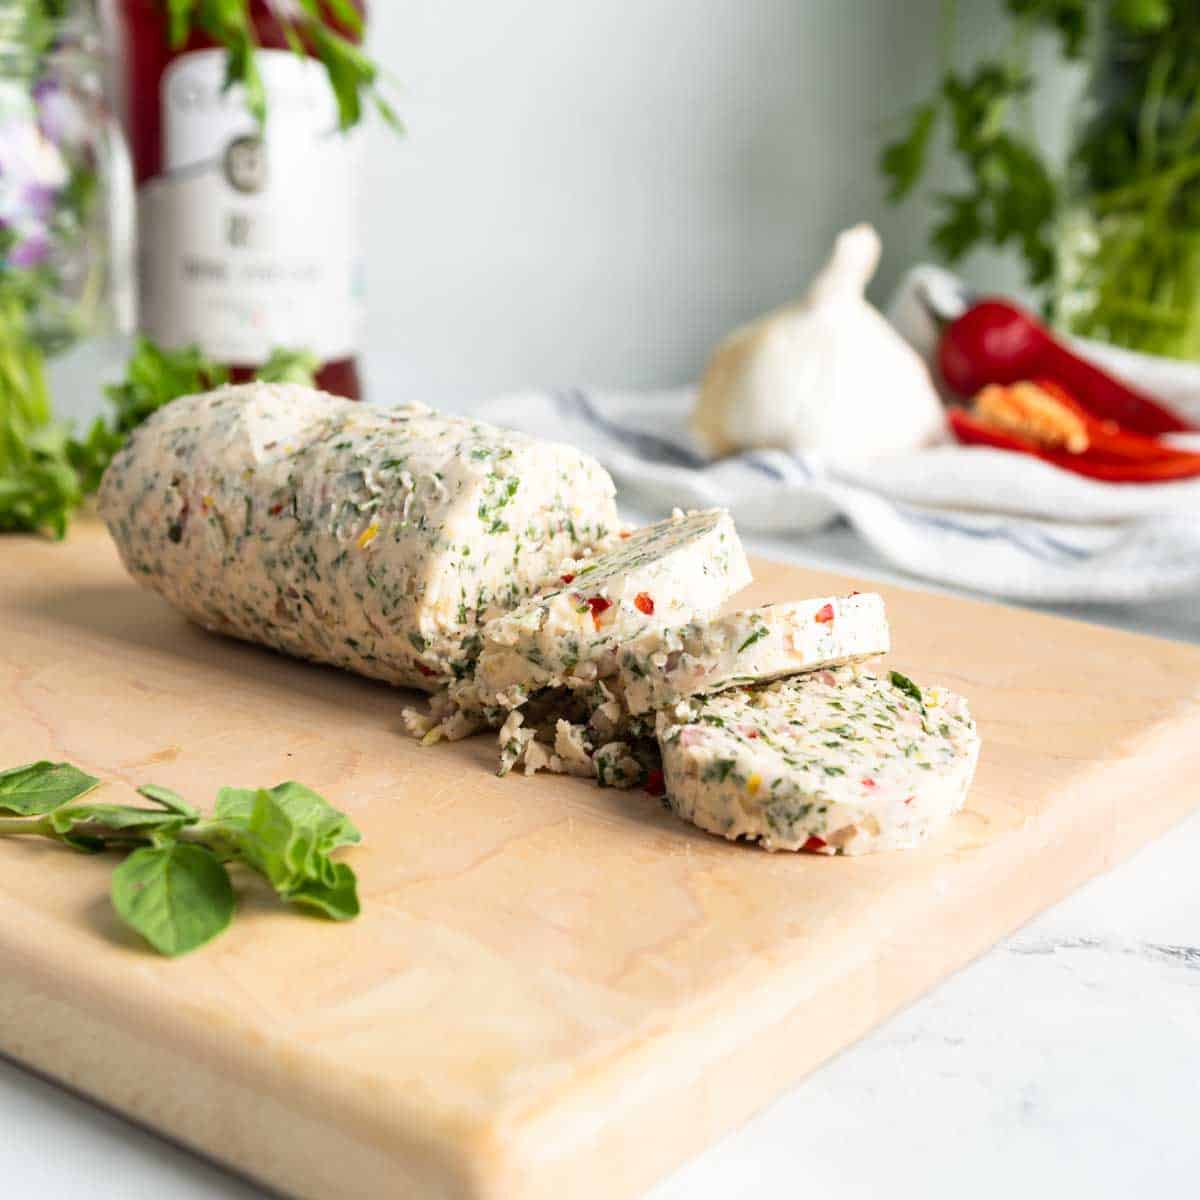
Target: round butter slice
(838,761)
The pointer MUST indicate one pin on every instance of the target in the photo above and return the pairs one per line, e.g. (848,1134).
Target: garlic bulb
(827,373)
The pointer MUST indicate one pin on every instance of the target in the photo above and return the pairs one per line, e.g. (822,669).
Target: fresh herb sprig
(1010,195)
(174,887)
(39,485)
(1013,194)
(322,25)
(46,472)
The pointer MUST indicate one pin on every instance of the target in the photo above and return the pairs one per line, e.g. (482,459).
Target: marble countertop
(1069,1054)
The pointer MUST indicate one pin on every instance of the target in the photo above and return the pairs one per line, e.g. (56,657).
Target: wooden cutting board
(554,990)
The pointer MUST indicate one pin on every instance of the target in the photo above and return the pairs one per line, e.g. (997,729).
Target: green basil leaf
(337,900)
(303,808)
(170,800)
(286,833)
(41,787)
(235,804)
(311,811)
(115,818)
(177,897)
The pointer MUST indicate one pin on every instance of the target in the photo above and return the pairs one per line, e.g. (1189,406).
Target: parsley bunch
(46,471)
(174,887)
(1012,195)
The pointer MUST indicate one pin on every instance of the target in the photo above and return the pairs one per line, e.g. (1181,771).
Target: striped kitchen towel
(999,523)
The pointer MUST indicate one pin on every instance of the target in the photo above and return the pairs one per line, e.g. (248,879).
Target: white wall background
(593,191)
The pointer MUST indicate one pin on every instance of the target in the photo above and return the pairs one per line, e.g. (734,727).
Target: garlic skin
(827,373)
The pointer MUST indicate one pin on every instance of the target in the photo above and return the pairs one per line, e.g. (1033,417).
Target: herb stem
(25,827)
(1116,198)
(949,35)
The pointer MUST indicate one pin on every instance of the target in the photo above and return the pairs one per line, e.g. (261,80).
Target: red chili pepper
(869,783)
(655,783)
(813,843)
(275,509)
(824,614)
(644,603)
(567,578)
(996,342)
(598,604)
(1122,458)
(426,671)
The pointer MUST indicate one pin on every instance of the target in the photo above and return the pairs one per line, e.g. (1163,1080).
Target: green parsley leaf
(756,636)
(903,161)
(155,376)
(906,685)
(289,366)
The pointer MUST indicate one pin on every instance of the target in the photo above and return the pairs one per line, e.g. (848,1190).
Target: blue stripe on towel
(575,403)
(1038,544)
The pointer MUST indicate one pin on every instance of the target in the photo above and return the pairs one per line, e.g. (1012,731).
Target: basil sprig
(174,887)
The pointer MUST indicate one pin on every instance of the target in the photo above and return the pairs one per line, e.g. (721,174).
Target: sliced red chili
(426,671)
(996,342)
(598,604)
(644,603)
(567,578)
(655,783)
(824,614)
(275,509)
(869,783)
(814,843)
(1119,458)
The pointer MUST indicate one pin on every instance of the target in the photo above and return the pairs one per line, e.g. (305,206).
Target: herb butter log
(841,761)
(661,666)
(379,540)
(570,636)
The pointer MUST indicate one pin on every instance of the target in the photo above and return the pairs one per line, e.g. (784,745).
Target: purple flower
(32,174)
(28,157)
(31,252)
(61,118)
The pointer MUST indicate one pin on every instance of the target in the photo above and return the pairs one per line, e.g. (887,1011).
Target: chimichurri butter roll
(570,636)
(840,761)
(379,540)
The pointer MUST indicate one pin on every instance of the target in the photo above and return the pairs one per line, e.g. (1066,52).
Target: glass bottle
(247,235)
(65,207)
